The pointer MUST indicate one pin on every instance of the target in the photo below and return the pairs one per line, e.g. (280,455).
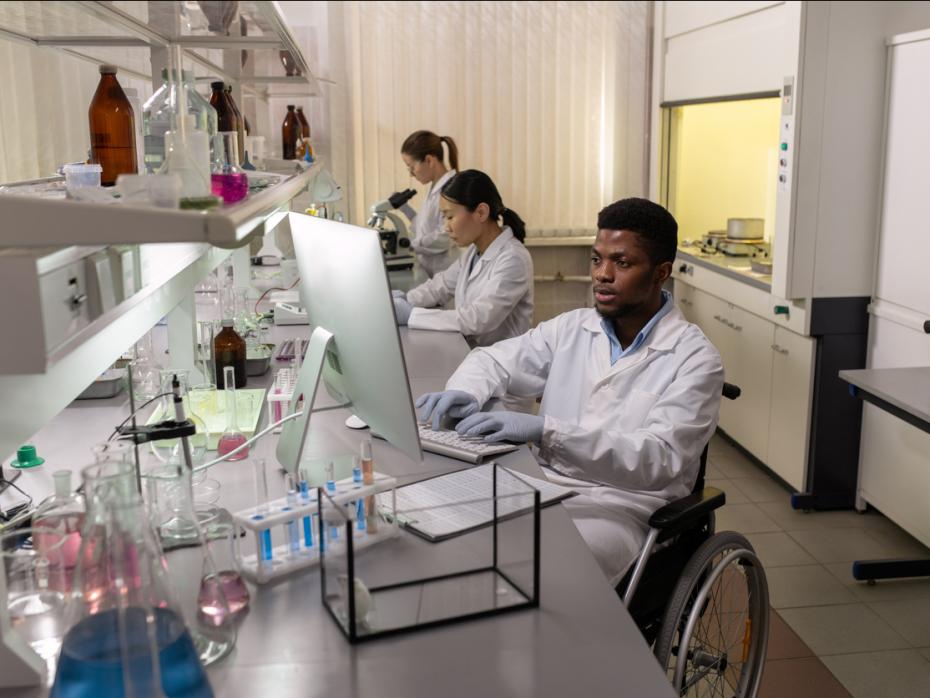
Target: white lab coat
(627,436)
(434,249)
(492,302)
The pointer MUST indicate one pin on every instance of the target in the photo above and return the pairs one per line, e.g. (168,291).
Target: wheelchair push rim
(723,648)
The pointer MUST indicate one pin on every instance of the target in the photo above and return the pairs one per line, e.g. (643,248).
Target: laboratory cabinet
(777,111)
(894,465)
(773,367)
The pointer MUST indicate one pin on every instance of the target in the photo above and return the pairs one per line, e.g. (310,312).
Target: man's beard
(621,311)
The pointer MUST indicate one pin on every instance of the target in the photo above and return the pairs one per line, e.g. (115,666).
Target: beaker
(130,637)
(37,585)
(231,438)
(223,542)
(170,450)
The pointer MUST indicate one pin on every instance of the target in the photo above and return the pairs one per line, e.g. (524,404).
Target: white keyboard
(447,442)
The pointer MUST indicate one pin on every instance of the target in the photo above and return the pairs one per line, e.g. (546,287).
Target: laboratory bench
(580,640)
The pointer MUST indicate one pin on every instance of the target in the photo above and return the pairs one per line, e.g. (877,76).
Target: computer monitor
(355,345)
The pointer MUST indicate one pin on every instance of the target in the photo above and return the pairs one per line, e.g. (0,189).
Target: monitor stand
(294,433)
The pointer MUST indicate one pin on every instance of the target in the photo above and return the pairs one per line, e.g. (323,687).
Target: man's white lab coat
(493,301)
(627,436)
(435,250)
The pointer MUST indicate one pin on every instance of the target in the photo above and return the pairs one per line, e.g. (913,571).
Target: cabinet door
(792,380)
(905,235)
(684,299)
(748,365)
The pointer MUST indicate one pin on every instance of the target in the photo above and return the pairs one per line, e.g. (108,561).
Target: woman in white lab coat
(491,282)
(423,156)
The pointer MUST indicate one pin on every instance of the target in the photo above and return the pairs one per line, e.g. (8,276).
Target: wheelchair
(700,598)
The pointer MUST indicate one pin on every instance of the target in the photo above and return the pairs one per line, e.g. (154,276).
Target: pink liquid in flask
(210,606)
(229,442)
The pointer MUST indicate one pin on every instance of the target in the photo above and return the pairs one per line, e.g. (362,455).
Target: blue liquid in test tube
(263,538)
(360,515)
(308,520)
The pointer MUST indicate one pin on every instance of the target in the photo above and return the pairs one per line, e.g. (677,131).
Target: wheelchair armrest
(688,508)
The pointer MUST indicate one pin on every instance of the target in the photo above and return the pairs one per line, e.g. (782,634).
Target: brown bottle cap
(107,69)
(217,85)
(290,107)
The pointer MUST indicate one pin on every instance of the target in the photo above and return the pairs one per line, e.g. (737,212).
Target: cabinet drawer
(744,341)
(894,345)
(792,382)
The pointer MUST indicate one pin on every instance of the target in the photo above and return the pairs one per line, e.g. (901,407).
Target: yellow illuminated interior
(721,161)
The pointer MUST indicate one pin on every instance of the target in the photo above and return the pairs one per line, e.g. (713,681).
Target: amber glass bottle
(304,124)
(243,124)
(112,129)
(227,120)
(290,134)
(229,350)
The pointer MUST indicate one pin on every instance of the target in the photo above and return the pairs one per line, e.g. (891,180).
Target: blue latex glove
(503,426)
(402,310)
(398,294)
(455,403)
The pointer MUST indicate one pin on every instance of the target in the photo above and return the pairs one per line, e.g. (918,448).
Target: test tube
(263,538)
(308,520)
(356,472)
(360,515)
(293,537)
(368,478)
(331,488)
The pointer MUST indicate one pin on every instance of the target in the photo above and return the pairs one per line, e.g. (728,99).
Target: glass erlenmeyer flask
(223,543)
(61,516)
(130,638)
(169,450)
(231,438)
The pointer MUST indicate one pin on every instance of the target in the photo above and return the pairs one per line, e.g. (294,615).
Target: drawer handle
(779,349)
(77,300)
(927,326)
(718,318)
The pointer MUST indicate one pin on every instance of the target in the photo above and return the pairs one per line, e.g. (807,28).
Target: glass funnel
(231,438)
(129,637)
(170,450)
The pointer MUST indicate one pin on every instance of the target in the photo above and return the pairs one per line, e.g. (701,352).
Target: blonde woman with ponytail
(422,153)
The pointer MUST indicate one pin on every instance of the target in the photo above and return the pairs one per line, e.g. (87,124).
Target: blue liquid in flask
(91,661)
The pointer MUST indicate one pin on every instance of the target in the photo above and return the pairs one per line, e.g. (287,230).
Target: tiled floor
(831,635)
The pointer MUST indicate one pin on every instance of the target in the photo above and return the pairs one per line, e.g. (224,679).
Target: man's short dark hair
(655,226)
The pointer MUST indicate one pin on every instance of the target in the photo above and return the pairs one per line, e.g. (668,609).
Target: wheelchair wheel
(715,629)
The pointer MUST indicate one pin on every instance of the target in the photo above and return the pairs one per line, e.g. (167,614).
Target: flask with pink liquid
(231,438)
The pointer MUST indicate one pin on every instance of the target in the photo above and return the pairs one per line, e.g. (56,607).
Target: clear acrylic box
(411,583)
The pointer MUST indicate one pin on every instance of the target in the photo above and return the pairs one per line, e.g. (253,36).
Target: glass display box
(492,569)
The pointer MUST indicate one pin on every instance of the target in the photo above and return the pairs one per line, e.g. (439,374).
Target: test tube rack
(279,395)
(292,519)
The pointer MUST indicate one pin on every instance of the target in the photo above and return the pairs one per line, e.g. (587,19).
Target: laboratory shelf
(33,221)
(87,29)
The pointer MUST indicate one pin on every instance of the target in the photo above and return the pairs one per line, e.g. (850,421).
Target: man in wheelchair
(630,398)
(630,389)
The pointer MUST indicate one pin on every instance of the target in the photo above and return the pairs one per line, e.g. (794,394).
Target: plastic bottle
(112,128)
(187,154)
(229,350)
(290,134)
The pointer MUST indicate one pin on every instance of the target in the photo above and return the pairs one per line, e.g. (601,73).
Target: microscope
(395,244)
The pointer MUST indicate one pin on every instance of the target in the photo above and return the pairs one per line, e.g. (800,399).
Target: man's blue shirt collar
(616,351)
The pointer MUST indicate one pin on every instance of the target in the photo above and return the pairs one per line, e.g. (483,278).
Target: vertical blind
(548,98)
